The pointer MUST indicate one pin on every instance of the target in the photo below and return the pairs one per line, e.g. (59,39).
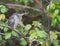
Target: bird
(15,18)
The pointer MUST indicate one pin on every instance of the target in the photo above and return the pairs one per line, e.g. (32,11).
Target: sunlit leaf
(2,17)
(54,21)
(3,9)
(53,36)
(42,34)
(28,27)
(7,35)
(58,18)
(52,5)
(5,29)
(33,35)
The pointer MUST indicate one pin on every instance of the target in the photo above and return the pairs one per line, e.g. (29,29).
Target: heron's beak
(24,13)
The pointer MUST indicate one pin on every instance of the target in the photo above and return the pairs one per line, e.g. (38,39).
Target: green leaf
(54,21)
(4,9)
(42,34)
(7,35)
(0,37)
(23,42)
(26,2)
(33,35)
(15,34)
(48,7)
(5,29)
(56,43)
(58,18)
(52,5)
(56,11)
(28,27)
(53,36)
(40,40)
(1,6)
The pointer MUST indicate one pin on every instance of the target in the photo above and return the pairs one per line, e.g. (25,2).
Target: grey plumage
(14,20)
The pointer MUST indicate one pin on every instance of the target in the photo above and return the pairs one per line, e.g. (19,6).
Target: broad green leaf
(28,27)
(1,6)
(42,34)
(32,31)
(33,35)
(56,11)
(23,42)
(7,35)
(4,9)
(55,43)
(15,34)
(5,29)
(40,40)
(0,37)
(58,18)
(48,7)
(52,6)
(53,36)
(53,23)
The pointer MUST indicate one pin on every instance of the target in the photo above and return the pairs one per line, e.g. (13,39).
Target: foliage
(26,34)
(53,7)
(3,9)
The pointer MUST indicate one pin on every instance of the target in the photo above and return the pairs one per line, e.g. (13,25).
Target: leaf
(54,21)
(7,35)
(2,17)
(56,11)
(48,7)
(23,42)
(28,27)
(0,37)
(1,6)
(5,29)
(26,2)
(33,35)
(58,18)
(42,34)
(15,34)
(40,40)
(53,36)
(55,43)
(52,5)
(3,9)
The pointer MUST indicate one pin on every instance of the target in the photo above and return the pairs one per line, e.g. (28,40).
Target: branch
(21,6)
(2,34)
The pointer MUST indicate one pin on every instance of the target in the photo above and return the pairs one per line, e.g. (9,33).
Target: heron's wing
(11,21)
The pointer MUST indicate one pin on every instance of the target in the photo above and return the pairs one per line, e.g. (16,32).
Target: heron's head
(21,13)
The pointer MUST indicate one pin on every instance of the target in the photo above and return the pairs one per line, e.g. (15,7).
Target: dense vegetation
(41,27)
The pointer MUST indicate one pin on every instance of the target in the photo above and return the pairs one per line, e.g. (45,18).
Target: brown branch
(39,3)
(2,34)
(21,6)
